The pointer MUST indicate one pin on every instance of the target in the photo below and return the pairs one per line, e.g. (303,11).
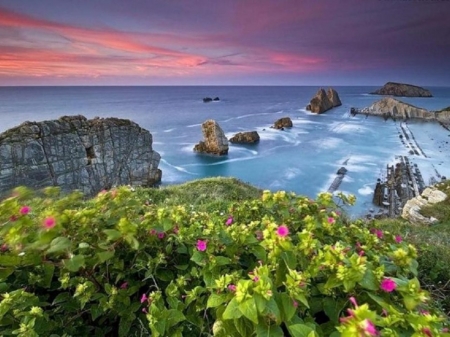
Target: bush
(281,265)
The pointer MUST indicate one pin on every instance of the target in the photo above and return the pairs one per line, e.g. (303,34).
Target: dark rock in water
(75,153)
(324,101)
(216,99)
(214,140)
(248,137)
(342,170)
(401,89)
(207,99)
(284,122)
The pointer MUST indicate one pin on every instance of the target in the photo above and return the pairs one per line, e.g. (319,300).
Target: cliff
(401,89)
(324,101)
(397,109)
(75,153)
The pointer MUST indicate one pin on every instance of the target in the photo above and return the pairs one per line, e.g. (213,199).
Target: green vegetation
(214,257)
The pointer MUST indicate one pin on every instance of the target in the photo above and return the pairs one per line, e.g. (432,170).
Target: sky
(224,42)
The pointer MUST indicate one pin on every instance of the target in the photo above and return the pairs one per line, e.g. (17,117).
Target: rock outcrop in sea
(248,137)
(401,89)
(324,101)
(214,140)
(76,153)
(411,210)
(284,122)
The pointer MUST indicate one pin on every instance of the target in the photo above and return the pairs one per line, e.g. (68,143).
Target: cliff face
(401,89)
(214,140)
(398,109)
(324,101)
(75,153)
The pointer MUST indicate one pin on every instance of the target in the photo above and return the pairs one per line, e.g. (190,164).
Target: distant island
(402,90)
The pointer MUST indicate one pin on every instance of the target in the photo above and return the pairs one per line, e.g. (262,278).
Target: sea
(303,159)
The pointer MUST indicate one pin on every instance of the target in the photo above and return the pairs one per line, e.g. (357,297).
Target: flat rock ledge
(411,210)
(76,153)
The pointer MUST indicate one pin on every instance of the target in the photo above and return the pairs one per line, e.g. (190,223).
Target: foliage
(280,265)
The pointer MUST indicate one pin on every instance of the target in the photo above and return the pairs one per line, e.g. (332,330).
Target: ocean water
(303,159)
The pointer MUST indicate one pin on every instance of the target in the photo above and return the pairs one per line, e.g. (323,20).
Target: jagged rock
(282,123)
(75,153)
(248,137)
(401,89)
(324,101)
(216,99)
(214,140)
(411,210)
(207,99)
(398,109)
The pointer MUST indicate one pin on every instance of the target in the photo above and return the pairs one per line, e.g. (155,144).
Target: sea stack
(284,122)
(324,101)
(214,140)
(248,137)
(402,90)
(76,153)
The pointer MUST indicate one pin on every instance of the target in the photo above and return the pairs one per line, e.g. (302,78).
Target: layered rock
(324,101)
(401,89)
(411,210)
(248,137)
(398,109)
(284,122)
(75,153)
(214,140)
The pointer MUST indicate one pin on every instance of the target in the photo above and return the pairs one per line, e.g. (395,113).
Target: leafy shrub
(281,265)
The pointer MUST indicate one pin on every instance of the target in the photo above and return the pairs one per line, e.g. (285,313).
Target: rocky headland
(401,89)
(214,140)
(324,101)
(248,137)
(76,153)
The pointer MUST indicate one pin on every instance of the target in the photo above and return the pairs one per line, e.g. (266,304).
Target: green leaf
(286,305)
(164,275)
(61,298)
(248,309)
(74,263)
(198,258)
(260,302)
(300,330)
(259,252)
(59,244)
(222,261)
(215,300)
(369,280)
(272,308)
(174,317)
(49,269)
(5,272)
(269,331)
(83,245)
(243,326)
(124,326)
(232,311)
(112,234)
(332,308)
(289,259)
(105,256)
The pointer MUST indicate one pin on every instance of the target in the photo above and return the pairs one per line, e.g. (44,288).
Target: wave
(291,173)
(226,161)
(169,130)
(327,143)
(178,168)
(193,125)
(347,127)
(366,190)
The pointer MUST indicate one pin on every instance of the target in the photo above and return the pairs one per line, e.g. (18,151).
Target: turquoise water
(303,159)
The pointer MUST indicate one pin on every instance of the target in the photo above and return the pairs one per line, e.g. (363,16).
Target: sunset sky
(229,42)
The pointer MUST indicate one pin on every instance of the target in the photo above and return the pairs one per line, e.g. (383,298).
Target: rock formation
(398,109)
(401,89)
(282,123)
(75,153)
(214,140)
(322,101)
(411,210)
(248,137)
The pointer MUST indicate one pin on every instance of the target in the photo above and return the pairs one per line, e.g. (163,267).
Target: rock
(216,99)
(248,137)
(214,140)
(411,210)
(207,99)
(397,109)
(324,101)
(282,123)
(401,89)
(75,153)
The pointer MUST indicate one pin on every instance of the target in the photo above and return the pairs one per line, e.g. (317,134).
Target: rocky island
(401,89)
(324,101)
(214,140)
(248,137)
(76,153)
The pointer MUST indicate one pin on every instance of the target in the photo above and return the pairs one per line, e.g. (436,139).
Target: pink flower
(144,310)
(388,285)
(161,235)
(25,210)
(49,222)
(144,298)
(229,221)
(282,231)
(201,245)
(256,279)
(176,230)
(124,285)
(379,233)
(370,328)
(4,247)
(295,303)
(331,220)
(398,239)
(231,287)
(153,232)
(353,301)
(427,332)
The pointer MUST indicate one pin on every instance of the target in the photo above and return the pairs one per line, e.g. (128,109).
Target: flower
(25,210)
(398,239)
(13,218)
(353,300)
(161,235)
(144,298)
(369,328)
(379,233)
(229,221)
(124,285)
(388,285)
(153,232)
(201,245)
(295,304)
(256,279)
(259,235)
(231,287)
(427,331)
(331,220)
(49,222)
(282,231)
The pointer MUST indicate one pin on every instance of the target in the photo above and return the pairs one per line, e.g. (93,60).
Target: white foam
(366,190)
(178,168)
(346,127)
(169,130)
(193,125)
(291,173)
(327,143)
